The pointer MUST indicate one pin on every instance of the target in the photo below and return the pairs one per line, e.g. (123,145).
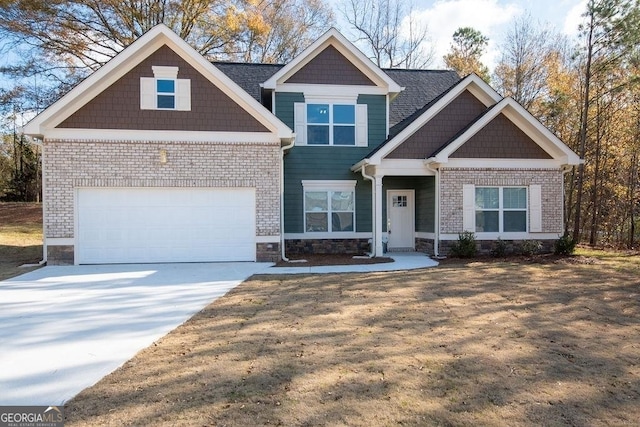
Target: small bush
(499,248)
(465,247)
(564,245)
(530,247)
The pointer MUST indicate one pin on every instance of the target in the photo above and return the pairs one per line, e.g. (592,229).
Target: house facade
(161,156)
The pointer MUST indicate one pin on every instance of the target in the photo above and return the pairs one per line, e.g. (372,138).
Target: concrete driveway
(63,328)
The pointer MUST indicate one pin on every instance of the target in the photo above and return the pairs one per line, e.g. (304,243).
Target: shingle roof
(421,87)
(249,76)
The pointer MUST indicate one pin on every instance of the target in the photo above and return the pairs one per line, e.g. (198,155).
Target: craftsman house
(162,156)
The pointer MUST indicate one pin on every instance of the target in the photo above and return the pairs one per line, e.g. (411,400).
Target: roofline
(522,119)
(130,57)
(485,93)
(314,49)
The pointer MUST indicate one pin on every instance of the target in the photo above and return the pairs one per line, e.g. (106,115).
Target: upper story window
(165,91)
(329,123)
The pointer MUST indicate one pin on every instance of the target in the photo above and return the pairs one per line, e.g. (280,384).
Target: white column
(378,214)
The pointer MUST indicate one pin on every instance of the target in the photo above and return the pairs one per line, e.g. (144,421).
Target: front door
(400,220)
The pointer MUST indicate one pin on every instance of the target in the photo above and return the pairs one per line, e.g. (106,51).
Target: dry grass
(479,343)
(20,237)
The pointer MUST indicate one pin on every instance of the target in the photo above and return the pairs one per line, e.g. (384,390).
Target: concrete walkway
(64,328)
(401,261)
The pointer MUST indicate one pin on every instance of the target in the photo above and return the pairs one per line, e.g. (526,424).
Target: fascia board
(132,56)
(432,112)
(525,122)
(345,47)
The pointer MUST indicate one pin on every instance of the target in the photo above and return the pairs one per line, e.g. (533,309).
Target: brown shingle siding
(330,67)
(501,139)
(441,128)
(118,107)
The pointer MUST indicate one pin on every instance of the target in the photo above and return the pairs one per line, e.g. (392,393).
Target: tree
(62,41)
(610,35)
(388,32)
(530,53)
(464,56)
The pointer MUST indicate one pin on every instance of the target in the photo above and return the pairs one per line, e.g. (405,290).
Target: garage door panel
(128,225)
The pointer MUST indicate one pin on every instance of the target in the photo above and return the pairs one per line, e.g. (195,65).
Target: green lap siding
(424,199)
(328,162)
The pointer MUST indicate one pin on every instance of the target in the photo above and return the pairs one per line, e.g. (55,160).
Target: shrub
(465,247)
(564,245)
(499,248)
(530,247)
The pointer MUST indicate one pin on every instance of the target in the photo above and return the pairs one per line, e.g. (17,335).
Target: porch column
(378,214)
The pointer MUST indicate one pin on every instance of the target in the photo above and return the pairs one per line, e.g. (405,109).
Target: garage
(147,225)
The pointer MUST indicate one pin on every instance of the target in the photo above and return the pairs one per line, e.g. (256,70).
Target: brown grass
(465,344)
(20,237)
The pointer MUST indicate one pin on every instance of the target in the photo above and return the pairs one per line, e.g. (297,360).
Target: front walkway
(401,261)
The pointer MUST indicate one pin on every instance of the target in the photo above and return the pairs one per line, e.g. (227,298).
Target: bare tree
(389,32)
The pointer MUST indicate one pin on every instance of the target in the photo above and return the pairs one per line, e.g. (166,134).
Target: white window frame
(360,125)
(501,209)
(328,187)
(149,90)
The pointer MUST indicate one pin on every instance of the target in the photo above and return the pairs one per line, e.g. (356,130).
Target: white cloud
(444,17)
(573,18)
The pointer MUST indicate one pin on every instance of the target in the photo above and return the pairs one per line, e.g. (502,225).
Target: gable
(118,106)
(500,139)
(441,128)
(330,67)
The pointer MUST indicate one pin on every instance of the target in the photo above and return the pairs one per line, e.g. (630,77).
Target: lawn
(516,342)
(20,237)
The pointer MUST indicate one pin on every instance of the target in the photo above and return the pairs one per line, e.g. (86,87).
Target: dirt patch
(488,343)
(12,214)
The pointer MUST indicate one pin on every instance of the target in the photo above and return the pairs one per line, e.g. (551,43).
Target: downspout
(436,241)
(373,209)
(282,150)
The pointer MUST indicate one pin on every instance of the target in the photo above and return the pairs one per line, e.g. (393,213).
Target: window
(328,123)
(500,209)
(165,91)
(329,206)
(331,124)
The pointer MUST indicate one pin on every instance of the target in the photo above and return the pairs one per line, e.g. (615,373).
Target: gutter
(373,207)
(436,242)
(282,151)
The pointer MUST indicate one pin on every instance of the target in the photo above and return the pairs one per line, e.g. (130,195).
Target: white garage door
(138,225)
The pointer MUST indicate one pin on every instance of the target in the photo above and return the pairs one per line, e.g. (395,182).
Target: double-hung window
(331,124)
(500,209)
(324,123)
(329,206)
(165,91)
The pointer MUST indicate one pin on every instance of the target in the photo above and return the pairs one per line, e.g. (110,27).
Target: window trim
(328,187)
(360,125)
(501,209)
(149,90)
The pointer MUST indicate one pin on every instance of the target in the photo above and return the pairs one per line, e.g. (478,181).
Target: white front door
(400,219)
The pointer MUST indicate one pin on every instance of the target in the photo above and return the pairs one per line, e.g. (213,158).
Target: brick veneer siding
(72,164)
(452,180)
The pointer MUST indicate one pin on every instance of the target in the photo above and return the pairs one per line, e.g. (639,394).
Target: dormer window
(165,91)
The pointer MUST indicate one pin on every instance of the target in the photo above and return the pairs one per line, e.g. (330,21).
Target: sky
(493,18)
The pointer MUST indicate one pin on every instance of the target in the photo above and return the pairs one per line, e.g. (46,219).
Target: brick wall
(68,165)
(452,180)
